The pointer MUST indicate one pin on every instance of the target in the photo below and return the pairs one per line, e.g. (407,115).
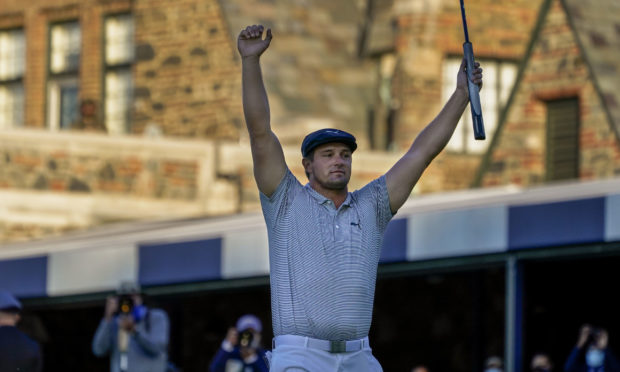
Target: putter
(474,90)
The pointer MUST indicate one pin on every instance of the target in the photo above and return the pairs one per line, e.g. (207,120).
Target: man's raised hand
(250,41)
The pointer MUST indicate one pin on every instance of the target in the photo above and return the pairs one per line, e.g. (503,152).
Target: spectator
(240,350)
(135,337)
(541,363)
(17,351)
(493,364)
(591,354)
(88,120)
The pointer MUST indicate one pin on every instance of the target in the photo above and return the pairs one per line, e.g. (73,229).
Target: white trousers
(290,358)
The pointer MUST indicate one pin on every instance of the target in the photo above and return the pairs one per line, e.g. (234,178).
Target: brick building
(158,135)
(137,103)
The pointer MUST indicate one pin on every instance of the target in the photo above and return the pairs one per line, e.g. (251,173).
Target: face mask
(492,370)
(139,312)
(595,358)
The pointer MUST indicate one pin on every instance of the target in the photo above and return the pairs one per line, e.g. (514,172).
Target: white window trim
(467,145)
(53,101)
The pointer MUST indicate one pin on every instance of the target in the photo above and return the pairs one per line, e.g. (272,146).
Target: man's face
(9,318)
(541,363)
(330,166)
(137,299)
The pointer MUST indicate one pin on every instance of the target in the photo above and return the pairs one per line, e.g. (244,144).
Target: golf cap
(249,321)
(9,302)
(327,135)
(128,288)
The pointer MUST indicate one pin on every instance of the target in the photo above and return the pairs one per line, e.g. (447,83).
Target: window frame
(465,124)
(17,81)
(116,67)
(56,80)
(551,171)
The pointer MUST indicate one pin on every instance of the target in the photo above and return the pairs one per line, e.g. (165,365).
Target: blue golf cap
(8,301)
(327,135)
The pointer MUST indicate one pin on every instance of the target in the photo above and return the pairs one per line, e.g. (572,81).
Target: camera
(593,336)
(125,304)
(245,338)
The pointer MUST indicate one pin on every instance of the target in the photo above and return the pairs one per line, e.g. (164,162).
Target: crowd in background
(590,354)
(135,338)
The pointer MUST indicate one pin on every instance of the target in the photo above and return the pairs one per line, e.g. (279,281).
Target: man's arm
(269,164)
(572,363)
(401,178)
(102,340)
(155,340)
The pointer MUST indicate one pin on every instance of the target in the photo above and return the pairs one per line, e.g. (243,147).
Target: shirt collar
(323,200)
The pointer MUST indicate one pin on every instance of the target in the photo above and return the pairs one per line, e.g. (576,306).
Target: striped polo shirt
(323,260)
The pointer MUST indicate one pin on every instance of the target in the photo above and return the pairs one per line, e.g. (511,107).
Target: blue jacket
(232,359)
(147,351)
(576,362)
(18,352)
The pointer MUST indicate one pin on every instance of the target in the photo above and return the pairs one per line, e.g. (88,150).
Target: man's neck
(336,196)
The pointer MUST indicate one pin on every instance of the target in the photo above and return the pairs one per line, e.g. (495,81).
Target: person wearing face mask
(240,350)
(493,364)
(541,363)
(592,354)
(134,336)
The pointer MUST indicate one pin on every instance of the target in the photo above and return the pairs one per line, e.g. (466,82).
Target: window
(12,62)
(499,77)
(119,55)
(62,88)
(382,116)
(563,139)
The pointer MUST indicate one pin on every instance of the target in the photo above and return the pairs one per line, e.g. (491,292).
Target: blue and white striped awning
(458,224)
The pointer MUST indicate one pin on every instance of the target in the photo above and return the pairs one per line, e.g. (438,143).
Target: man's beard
(338,185)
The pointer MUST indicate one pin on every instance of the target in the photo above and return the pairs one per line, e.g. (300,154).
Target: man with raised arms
(324,241)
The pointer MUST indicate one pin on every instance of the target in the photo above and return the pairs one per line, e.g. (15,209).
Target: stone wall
(326,67)
(52,183)
(187,74)
(313,72)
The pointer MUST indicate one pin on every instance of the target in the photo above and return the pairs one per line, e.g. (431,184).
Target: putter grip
(474,95)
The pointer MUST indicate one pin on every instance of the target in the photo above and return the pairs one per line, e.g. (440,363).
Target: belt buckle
(337,346)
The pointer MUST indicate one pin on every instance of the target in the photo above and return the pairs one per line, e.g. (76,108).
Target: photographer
(591,353)
(135,337)
(240,350)
(18,352)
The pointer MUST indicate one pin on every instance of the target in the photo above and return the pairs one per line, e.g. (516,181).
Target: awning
(457,224)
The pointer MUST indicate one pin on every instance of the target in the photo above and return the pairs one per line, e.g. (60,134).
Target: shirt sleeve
(273,206)
(102,341)
(375,196)
(153,341)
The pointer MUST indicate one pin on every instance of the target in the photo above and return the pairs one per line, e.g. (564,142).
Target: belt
(325,345)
